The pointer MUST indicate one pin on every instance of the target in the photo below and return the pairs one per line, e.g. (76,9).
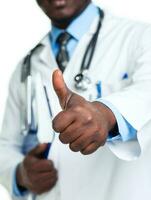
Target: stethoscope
(82,79)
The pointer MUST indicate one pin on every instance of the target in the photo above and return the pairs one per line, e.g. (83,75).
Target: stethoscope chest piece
(82,81)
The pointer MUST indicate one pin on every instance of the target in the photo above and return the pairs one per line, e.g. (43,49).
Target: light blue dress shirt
(77,29)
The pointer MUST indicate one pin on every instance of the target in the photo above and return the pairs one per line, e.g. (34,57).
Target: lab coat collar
(46,55)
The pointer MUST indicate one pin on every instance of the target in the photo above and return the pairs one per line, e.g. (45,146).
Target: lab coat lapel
(46,56)
(47,64)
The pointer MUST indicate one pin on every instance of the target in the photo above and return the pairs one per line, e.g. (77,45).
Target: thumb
(39,150)
(62,91)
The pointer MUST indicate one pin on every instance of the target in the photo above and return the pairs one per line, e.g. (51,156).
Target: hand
(36,174)
(82,124)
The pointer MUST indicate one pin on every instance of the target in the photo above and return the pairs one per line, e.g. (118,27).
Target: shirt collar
(79,26)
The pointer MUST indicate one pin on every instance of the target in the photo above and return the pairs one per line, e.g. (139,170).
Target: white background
(22,25)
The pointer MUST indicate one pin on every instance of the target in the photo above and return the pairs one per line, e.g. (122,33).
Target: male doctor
(102,145)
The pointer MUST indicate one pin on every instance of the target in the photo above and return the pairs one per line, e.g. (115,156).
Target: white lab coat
(119,170)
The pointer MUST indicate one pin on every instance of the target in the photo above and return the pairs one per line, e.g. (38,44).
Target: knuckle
(55,125)
(89,150)
(63,139)
(77,109)
(89,118)
(83,113)
(74,147)
(85,152)
(56,120)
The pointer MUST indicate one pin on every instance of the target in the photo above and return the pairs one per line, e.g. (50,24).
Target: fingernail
(59,72)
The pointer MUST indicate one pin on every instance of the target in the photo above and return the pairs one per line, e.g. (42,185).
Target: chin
(61,22)
(60,15)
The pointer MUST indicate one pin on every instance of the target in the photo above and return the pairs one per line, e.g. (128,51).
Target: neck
(64,23)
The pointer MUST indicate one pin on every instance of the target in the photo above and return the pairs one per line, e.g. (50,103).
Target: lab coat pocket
(116,85)
(98,89)
(101,88)
(120,84)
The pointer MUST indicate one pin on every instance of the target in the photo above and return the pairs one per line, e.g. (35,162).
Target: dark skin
(82,124)
(62,12)
(36,174)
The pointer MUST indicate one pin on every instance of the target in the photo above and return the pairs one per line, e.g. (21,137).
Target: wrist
(108,115)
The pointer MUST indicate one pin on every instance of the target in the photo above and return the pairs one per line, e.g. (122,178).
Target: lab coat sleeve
(11,138)
(125,130)
(134,103)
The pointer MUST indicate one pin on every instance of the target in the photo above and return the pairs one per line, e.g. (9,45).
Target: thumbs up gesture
(82,124)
